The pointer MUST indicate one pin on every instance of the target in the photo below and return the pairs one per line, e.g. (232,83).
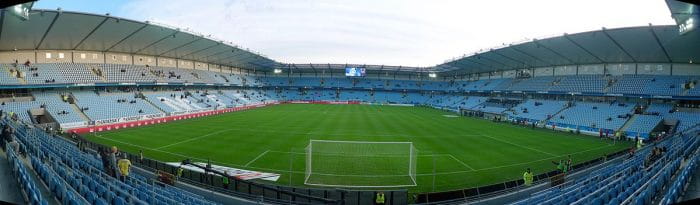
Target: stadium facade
(84,73)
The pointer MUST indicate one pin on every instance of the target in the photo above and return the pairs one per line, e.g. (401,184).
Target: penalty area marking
(301,172)
(461,162)
(256,158)
(450,116)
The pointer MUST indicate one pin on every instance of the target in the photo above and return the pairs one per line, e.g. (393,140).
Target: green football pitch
(452,152)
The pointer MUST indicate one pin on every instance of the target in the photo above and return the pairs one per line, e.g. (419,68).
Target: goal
(360,164)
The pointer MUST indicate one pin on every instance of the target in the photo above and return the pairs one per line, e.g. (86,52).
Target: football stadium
(98,108)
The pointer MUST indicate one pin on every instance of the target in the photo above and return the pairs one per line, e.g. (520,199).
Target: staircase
(76,109)
(611,82)
(628,123)
(154,105)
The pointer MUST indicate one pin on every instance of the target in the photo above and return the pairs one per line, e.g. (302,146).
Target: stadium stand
(591,116)
(537,110)
(76,177)
(106,105)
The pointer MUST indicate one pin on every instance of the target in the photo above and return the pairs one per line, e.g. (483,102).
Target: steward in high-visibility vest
(527,177)
(379,200)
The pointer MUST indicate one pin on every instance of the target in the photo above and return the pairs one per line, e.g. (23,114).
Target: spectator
(140,156)
(124,168)
(179,172)
(379,198)
(224,180)
(113,161)
(527,177)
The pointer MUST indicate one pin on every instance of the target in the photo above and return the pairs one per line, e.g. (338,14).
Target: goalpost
(360,164)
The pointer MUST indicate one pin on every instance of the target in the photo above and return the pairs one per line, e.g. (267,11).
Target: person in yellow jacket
(528,177)
(379,199)
(124,165)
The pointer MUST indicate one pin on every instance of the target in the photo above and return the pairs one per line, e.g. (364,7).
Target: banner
(241,174)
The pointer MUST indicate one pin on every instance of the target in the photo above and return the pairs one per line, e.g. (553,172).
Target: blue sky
(389,32)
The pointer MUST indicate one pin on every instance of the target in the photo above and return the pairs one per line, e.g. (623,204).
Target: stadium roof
(61,30)
(647,44)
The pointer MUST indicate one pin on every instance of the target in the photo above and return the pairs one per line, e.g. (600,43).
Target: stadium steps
(76,109)
(8,188)
(555,114)
(154,105)
(629,122)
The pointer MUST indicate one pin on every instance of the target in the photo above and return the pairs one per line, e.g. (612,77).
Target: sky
(383,32)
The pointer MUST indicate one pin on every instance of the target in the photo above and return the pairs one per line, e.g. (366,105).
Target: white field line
(256,158)
(517,145)
(192,139)
(461,162)
(301,172)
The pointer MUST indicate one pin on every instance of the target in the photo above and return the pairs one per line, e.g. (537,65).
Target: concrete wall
(54,57)
(167,62)
(144,60)
(686,69)
(20,56)
(598,69)
(565,70)
(118,58)
(653,69)
(621,69)
(88,57)
(546,71)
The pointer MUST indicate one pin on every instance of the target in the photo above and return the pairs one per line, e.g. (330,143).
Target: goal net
(360,164)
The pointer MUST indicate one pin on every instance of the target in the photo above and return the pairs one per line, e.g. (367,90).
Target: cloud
(390,32)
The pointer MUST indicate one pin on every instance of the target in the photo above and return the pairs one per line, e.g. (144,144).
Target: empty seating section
(473,101)
(685,119)
(8,75)
(27,183)
(630,84)
(73,73)
(75,177)
(21,108)
(661,109)
(112,105)
(642,125)
(124,73)
(635,180)
(592,116)
(97,73)
(61,111)
(532,84)
(537,110)
(581,83)
(666,85)
(41,74)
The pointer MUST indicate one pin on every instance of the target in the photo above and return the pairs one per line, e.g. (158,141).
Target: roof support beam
(566,36)
(553,51)
(489,59)
(216,54)
(312,67)
(484,65)
(172,35)
(531,56)
(126,37)
(618,45)
(512,59)
(46,33)
(90,34)
(183,45)
(663,48)
(2,21)
(200,50)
